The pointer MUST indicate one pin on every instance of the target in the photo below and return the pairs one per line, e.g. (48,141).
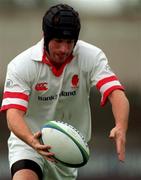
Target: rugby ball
(66,142)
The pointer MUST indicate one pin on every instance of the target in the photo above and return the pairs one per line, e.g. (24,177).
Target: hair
(62,22)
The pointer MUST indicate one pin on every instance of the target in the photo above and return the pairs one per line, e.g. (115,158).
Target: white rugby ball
(67,143)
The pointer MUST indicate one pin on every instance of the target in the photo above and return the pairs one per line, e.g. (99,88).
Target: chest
(66,84)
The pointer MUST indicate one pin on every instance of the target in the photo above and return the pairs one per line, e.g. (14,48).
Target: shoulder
(87,55)
(21,58)
(85,49)
(21,63)
(23,66)
(28,59)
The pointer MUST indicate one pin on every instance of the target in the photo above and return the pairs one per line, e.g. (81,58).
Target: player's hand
(119,136)
(41,148)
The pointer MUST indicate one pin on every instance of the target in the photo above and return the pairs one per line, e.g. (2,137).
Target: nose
(64,47)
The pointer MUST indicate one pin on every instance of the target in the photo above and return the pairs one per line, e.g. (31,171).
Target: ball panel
(62,141)
(67,143)
(71,132)
(74,135)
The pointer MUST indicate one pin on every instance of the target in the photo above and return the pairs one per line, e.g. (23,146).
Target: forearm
(17,124)
(120,109)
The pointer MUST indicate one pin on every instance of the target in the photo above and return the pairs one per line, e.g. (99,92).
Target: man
(52,80)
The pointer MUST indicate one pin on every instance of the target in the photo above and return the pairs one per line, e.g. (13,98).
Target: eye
(59,40)
(70,41)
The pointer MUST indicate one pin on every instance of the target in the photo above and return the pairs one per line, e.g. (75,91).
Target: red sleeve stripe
(18,95)
(107,93)
(15,106)
(105,80)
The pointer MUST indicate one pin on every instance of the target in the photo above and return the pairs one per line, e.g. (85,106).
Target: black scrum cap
(62,22)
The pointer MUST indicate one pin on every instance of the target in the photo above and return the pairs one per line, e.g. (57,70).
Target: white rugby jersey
(45,93)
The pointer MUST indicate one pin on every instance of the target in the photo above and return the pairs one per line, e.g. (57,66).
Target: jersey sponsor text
(54,97)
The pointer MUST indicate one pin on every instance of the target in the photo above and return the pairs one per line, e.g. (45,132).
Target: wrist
(30,140)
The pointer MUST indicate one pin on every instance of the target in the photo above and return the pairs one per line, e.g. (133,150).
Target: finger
(120,146)
(120,149)
(41,147)
(112,133)
(45,153)
(50,159)
(112,136)
(37,134)
(49,156)
(121,156)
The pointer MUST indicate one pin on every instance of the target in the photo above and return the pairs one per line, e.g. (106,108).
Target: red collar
(56,71)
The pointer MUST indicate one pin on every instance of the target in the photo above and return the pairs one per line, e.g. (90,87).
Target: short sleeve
(16,89)
(104,78)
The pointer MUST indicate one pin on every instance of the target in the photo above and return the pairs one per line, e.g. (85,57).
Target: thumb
(37,134)
(112,133)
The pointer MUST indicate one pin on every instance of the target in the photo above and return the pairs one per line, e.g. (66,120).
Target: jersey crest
(75,81)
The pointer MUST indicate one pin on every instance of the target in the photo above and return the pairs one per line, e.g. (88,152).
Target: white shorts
(18,150)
